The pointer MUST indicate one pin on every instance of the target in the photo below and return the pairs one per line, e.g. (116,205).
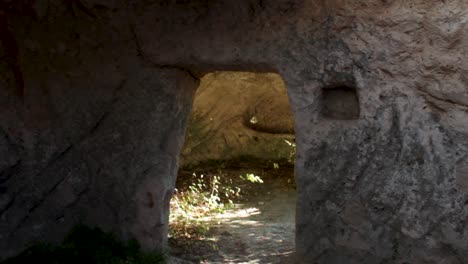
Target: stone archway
(241,126)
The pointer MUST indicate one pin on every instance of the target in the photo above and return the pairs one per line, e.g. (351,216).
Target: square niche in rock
(340,103)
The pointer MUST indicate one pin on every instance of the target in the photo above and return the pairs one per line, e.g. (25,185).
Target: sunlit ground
(254,232)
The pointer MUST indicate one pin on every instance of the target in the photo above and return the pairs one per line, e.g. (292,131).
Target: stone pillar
(383,186)
(104,156)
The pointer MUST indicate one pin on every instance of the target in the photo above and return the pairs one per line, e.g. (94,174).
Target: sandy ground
(260,230)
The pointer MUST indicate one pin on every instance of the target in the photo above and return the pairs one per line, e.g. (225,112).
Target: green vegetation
(87,245)
(292,153)
(252,178)
(205,197)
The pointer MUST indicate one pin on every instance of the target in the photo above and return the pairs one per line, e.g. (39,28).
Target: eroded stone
(106,101)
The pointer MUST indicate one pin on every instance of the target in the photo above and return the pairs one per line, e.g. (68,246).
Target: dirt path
(260,230)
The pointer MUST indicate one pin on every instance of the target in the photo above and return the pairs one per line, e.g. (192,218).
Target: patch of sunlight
(231,214)
(235,216)
(248,223)
(238,213)
(213,239)
(253,261)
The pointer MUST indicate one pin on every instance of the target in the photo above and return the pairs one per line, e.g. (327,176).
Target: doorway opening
(235,194)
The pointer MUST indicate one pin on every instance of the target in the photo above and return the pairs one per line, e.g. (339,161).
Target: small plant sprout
(293,150)
(253,120)
(205,197)
(292,144)
(252,178)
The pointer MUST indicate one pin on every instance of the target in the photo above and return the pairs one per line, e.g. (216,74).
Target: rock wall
(109,166)
(107,87)
(239,115)
(95,138)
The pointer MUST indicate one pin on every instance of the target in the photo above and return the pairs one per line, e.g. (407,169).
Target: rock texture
(111,170)
(95,138)
(97,133)
(237,115)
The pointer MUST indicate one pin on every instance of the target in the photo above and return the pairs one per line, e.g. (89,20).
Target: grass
(204,197)
(201,197)
(87,245)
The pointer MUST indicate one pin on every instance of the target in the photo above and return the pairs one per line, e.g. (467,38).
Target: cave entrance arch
(235,195)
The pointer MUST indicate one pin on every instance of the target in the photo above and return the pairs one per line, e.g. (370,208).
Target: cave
(96,96)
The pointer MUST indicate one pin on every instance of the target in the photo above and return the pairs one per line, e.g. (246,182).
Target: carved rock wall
(386,187)
(95,138)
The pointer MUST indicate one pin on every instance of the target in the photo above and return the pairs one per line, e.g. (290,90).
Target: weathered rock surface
(97,135)
(97,145)
(112,170)
(239,114)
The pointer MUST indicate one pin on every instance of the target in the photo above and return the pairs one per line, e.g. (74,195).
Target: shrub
(204,198)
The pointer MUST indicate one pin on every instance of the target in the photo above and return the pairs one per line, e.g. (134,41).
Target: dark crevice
(137,41)
(58,157)
(7,173)
(44,197)
(78,195)
(431,98)
(188,71)
(90,132)
(10,203)
(77,4)
(396,132)
(36,205)
(140,53)
(106,114)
